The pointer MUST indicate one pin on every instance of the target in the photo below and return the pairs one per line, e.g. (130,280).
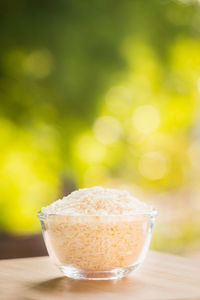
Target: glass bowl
(97,247)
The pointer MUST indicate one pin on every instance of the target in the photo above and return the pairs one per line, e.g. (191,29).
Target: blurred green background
(101,93)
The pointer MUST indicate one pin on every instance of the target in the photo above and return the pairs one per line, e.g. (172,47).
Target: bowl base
(75,273)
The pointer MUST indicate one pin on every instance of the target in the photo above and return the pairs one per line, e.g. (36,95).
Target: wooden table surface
(162,276)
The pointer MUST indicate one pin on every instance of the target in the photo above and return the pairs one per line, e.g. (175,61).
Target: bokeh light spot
(119,99)
(38,64)
(107,130)
(198,85)
(194,154)
(90,150)
(153,165)
(95,175)
(146,118)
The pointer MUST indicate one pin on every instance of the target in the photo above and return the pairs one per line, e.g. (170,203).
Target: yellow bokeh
(153,165)
(89,150)
(119,100)
(107,130)
(95,175)
(146,119)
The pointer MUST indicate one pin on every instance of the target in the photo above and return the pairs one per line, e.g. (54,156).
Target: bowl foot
(75,273)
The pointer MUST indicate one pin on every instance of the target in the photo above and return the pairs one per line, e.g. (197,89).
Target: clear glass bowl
(97,247)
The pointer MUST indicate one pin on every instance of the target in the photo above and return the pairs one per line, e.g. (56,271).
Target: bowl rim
(152,212)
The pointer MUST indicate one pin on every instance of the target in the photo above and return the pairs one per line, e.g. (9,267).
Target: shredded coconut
(96,201)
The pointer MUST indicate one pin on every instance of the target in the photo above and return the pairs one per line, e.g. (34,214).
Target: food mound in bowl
(97,229)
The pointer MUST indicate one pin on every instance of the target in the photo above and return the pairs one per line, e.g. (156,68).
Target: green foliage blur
(101,93)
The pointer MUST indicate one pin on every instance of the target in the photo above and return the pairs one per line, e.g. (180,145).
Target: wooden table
(162,276)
